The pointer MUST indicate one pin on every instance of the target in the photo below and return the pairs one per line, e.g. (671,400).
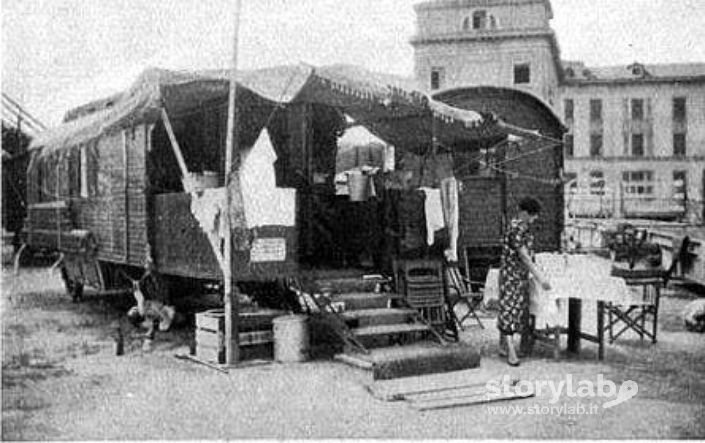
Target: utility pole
(232,345)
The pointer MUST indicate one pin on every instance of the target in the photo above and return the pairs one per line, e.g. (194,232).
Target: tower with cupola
(509,43)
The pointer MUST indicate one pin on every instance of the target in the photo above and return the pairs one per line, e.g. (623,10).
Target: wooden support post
(174,144)
(574,327)
(58,197)
(126,193)
(232,345)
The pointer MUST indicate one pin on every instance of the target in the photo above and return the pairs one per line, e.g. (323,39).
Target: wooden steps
(386,330)
(415,359)
(342,282)
(376,336)
(387,341)
(353,301)
(381,316)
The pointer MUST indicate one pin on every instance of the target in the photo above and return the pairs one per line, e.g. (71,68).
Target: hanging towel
(449,199)
(433,210)
(264,202)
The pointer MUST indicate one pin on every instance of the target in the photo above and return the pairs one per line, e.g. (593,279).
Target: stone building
(636,145)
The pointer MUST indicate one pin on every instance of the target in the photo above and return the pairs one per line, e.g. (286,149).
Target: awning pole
(232,346)
(174,144)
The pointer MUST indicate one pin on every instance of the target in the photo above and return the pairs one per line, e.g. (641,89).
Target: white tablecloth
(584,277)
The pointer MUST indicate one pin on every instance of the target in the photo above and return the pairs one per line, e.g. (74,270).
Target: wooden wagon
(135,180)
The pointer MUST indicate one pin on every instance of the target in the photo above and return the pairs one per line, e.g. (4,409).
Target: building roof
(443,4)
(577,73)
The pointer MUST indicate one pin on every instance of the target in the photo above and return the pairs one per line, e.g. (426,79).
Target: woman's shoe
(516,362)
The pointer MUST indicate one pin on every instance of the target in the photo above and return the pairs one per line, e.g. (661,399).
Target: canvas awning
(387,105)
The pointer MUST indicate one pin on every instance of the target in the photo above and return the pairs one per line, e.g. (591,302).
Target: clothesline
(511,173)
(543,148)
(515,175)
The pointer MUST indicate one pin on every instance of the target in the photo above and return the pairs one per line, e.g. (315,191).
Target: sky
(57,54)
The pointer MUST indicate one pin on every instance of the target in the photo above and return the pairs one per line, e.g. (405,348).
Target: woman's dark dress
(514,279)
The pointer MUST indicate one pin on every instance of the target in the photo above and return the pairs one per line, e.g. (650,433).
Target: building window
(568,109)
(568,142)
(437,77)
(522,73)
(680,190)
(638,145)
(597,183)
(595,110)
(596,145)
(679,109)
(479,20)
(638,183)
(637,109)
(679,144)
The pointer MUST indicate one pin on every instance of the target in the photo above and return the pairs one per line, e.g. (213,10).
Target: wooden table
(583,277)
(575,333)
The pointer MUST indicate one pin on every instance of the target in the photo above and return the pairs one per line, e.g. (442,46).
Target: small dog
(149,314)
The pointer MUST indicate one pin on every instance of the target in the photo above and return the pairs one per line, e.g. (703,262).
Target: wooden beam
(174,144)
(126,179)
(452,402)
(230,299)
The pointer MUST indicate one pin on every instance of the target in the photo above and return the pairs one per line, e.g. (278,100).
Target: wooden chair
(460,293)
(421,284)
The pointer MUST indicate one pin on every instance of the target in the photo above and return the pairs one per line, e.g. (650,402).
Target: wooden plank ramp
(398,388)
(451,389)
(468,400)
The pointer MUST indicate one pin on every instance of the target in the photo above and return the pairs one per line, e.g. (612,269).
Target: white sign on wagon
(268,249)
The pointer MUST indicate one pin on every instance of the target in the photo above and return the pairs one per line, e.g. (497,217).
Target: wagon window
(39,182)
(74,178)
(83,166)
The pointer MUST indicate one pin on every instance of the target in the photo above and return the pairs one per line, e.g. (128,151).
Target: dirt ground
(62,380)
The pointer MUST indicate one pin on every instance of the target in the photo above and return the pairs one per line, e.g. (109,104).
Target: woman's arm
(524,255)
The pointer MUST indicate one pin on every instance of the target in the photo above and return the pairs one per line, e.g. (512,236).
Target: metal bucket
(291,338)
(358,186)
(196,181)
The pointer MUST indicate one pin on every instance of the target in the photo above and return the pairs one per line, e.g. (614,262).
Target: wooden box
(255,331)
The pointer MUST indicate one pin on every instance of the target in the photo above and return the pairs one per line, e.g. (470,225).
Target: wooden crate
(255,332)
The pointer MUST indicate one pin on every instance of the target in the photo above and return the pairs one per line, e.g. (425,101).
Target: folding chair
(634,315)
(647,284)
(460,293)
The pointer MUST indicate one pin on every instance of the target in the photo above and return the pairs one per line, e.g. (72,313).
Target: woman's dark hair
(530,205)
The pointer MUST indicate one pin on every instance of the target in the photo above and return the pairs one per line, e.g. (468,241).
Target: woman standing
(516,269)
